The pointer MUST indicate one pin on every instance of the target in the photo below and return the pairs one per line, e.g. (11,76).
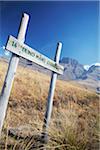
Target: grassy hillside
(74,124)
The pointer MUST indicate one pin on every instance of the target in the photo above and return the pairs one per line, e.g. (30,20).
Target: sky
(74,23)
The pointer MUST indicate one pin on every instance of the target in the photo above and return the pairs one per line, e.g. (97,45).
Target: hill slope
(74,109)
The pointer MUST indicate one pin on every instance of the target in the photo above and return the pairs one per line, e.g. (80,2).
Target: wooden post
(50,96)
(5,93)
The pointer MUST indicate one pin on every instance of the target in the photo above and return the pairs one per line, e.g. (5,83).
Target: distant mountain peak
(97,64)
(86,67)
(73,70)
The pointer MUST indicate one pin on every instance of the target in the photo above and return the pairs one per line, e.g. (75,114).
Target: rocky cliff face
(73,70)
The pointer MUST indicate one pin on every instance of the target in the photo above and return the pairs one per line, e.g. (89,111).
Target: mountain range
(73,70)
(87,77)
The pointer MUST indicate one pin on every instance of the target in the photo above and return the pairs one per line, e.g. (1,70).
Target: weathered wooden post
(5,93)
(51,95)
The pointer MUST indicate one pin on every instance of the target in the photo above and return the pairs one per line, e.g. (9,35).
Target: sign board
(15,46)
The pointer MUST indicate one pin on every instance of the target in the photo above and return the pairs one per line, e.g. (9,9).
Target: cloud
(7,53)
(3,47)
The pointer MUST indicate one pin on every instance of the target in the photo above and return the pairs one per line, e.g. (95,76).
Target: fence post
(5,93)
(50,96)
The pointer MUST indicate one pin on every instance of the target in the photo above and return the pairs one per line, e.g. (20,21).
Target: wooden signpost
(19,49)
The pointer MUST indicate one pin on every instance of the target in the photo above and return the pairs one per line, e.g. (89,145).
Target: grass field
(75,119)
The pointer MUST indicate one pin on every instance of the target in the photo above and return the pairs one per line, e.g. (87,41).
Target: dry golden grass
(74,124)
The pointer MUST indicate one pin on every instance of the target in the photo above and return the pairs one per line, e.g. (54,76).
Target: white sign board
(27,52)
